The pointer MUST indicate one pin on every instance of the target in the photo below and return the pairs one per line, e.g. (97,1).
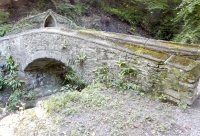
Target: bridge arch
(46,64)
(45,72)
(40,55)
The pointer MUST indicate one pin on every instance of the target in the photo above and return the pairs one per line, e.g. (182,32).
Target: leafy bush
(9,78)
(13,100)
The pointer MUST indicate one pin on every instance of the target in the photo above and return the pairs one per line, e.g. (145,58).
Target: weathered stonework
(46,19)
(171,67)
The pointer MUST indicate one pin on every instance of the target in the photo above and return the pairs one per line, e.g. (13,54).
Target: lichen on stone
(142,50)
(182,61)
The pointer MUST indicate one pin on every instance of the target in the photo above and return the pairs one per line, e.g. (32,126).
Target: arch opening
(50,22)
(50,74)
(45,73)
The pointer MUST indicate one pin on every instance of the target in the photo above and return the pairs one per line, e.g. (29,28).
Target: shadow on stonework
(45,76)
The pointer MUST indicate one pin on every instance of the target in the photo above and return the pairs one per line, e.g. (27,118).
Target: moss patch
(174,45)
(182,61)
(142,50)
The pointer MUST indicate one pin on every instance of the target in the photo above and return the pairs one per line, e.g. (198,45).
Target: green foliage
(71,10)
(128,15)
(42,3)
(12,82)
(9,79)
(154,4)
(13,100)
(4,28)
(182,105)
(74,80)
(11,65)
(80,58)
(17,96)
(120,81)
(154,16)
(93,3)
(68,87)
(64,45)
(10,75)
(3,16)
(125,74)
(1,81)
(189,16)
(28,95)
(102,74)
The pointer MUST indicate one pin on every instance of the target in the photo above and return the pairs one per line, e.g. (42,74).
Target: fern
(189,13)
(157,5)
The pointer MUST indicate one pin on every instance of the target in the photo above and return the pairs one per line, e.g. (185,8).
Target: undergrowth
(89,97)
(72,80)
(121,81)
(3,16)
(8,79)
(71,10)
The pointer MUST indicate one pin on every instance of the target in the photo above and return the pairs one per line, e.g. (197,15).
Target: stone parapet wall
(168,69)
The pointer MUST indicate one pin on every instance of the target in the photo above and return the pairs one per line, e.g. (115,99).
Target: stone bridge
(50,41)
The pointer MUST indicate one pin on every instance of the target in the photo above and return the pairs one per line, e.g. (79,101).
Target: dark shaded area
(50,72)
(22,8)
(46,64)
(45,72)
(50,22)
